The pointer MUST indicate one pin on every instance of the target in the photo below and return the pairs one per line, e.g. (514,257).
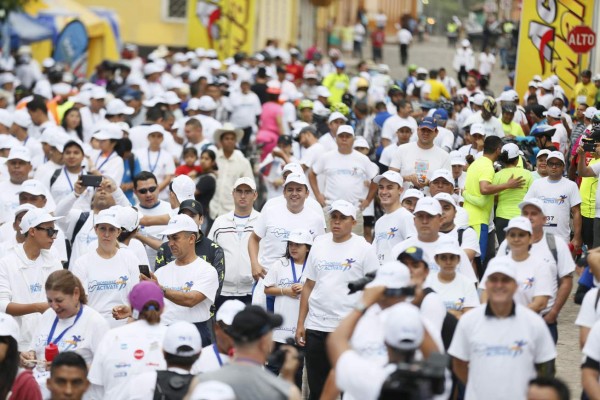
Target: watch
(360,307)
(164,290)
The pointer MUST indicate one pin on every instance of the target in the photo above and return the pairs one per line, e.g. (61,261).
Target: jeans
(403,54)
(500,223)
(317,362)
(553,328)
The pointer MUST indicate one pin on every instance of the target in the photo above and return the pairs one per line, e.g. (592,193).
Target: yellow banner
(543,48)
(224,25)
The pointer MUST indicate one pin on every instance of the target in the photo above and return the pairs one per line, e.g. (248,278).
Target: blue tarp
(28,29)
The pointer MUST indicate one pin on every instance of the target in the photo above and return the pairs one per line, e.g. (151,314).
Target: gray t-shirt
(250,382)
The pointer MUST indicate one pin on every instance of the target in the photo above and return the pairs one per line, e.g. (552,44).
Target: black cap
(284,140)
(192,205)
(252,323)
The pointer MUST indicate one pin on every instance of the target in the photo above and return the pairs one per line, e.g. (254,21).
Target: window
(174,10)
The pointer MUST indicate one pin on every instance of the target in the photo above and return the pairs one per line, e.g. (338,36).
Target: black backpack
(171,385)
(448,326)
(78,225)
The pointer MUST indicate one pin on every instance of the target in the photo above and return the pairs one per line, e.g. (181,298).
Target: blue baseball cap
(428,123)
(416,253)
(340,64)
(440,115)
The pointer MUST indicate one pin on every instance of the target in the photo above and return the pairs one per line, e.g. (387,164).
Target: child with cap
(157,161)
(133,348)
(362,146)
(409,199)
(457,292)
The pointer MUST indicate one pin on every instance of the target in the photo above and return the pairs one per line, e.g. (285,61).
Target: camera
(360,284)
(277,358)
(589,144)
(416,380)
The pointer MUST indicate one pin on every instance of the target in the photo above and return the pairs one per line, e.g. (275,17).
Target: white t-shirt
(328,142)
(107,282)
(391,229)
(503,349)
(404,36)
(274,226)
(197,276)
(22,281)
(458,294)
(160,163)
(541,251)
(359,377)
(388,154)
(592,345)
(309,158)
(558,197)
(469,239)
(160,208)
(492,127)
(63,185)
(208,360)
(346,175)
(125,352)
(486,63)
(331,266)
(589,312)
(411,159)
(111,166)
(82,337)
(429,248)
(561,137)
(390,126)
(280,275)
(444,139)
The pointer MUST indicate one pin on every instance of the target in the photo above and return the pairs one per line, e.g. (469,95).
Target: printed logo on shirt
(347,172)
(122,365)
(72,343)
(528,284)
(280,233)
(392,232)
(117,284)
(493,350)
(35,288)
(185,288)
(560,200)
(138,354)
(335,265)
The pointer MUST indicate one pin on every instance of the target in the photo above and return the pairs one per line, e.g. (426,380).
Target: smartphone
(145,270)
(91,180)
(589,144)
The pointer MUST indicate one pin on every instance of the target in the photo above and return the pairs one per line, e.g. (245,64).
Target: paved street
(434,53)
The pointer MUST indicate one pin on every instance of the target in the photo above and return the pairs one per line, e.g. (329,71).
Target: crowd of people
(275,226)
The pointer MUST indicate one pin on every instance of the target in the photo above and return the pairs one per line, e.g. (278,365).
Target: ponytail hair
(150,313)
(65,281)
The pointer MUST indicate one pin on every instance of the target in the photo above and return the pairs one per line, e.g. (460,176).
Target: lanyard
(25,141)
(55,341)
(150,163)
(104,162)
(216,350)
(294,270)
(68,179)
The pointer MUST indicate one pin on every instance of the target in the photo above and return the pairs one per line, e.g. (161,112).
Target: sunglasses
(146,190)
(50,231)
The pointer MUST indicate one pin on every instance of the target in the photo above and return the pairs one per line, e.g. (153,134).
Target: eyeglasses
(146,190)
(50,231)
(554,165)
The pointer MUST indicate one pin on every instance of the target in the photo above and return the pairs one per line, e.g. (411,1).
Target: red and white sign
(581,39)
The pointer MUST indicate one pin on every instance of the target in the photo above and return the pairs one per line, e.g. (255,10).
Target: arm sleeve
(260,226)
(545,350)
(587,313)
(459,348)
(5,289)
(219,265)
(271,278)
(471,297)
(208,284)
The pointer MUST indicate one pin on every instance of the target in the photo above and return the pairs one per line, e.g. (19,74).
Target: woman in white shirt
(154,160)
(105,160)
(69,323)
(457,291)
(71,122)
(108,273)
(62,183)
(132,349)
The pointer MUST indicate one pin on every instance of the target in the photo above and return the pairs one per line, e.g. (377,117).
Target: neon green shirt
(337,85)
(508,200)
(512,129)
(587,190)
(477,205)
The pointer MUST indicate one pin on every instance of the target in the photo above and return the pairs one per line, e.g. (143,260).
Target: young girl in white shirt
(154,160)
(285,281)
(105,160)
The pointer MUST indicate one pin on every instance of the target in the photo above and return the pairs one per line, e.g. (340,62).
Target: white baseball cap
(511,149)
(206,103)
(344,207)
(336,115)
(117,107)
(429,205)
(553,112)
(345,129)
(477,99)
(171,98)
(590,112)
(456,158)
(156,128)
(402,327)
(465,43)
(23,208)
(533,201)
(532,84)
(152,68)
(34,218)
(391,176)
(500,265)
(98,92)
(477,128)
(245,181)
(192,104)
(9,326)
(300,236)
(448,246)
(298,178)
(294,168)
(108,131)
(8,142)
(543,152)
(22,118)
(184,187)
(19,153)
(445,197)
(412,192)
(547,84)
(322,91)
(442,173)
(360,142)
(128,218)
(558,155)
(34,187)
(229,310)
(392,275)
(521,223)
(108,216)
(5,118)
(213,390)
(182,333)
(61,88)
(180,223)
(537,78)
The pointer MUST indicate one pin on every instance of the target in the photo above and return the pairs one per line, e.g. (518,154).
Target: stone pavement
(434,53)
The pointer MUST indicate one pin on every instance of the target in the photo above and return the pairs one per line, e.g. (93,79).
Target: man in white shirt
(335,120)
(416,160)
(94,113)
(561,199)
(189,283)
(560,138)
(195,136)
(397,224)
(24,270)
(487,117)
(21,130)
(346,172)
(391,125)
(501,339)
(231,232)
(19,167)
(404,39)
(335,259)
(245,106)
(307,137)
